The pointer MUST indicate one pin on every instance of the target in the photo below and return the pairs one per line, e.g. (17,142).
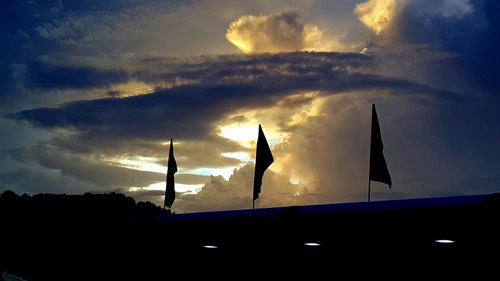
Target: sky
(92,91)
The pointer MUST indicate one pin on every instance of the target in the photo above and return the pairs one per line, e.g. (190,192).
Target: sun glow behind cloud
(242,128)
(148,164)
(246,134)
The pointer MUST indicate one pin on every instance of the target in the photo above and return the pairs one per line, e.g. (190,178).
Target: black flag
(263,159)
(172,169)
(378,167)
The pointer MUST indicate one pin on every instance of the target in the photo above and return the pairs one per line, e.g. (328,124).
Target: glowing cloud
(377,14)
(280,32)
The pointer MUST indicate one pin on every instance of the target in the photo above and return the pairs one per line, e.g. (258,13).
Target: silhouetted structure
(263,159)
(172,169)
(378,167)
(384,237)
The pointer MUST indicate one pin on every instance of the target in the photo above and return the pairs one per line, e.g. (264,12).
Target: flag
(378,167)
(172,169)
(263,159)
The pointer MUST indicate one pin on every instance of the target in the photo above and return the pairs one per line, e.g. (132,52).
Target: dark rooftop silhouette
(117,239)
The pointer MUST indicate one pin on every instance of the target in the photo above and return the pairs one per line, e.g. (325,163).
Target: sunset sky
(92,91)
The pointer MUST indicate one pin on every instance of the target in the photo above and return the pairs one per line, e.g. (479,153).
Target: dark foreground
(358,239)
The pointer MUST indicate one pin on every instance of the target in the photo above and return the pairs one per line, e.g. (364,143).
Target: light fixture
(210,247)
(311,244)
(445,241)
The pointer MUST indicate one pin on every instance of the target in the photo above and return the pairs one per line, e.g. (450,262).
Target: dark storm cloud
(18,39)
(30,29)
(58,72)
(191,111)
(204,76)
(476,42)
(237,67)
(22,24)
(46,77)
(470,30)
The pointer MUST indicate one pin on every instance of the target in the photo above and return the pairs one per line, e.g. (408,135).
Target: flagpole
(369,190)
(370,158)
(253,204)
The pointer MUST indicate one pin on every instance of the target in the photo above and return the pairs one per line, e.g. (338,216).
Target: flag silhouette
(378,167)
(263,159)
(172,169)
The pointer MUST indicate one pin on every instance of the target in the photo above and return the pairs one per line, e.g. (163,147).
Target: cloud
(154,196)
(319,101)
(328,152)
(377,14)
(208,153)
(38,75)
(90,170)
(279,32)
(36,180)
(71,71)
(226,87)
(465,30)
(195,153)
(236,193)
(326,155)
(85,29)
(130,75)
(380,15)
(160,115)
(446,8)
(191,179)
(86,169)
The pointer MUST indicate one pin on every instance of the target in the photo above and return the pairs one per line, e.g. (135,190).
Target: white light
(445,241)
(312,244)
(210,247)
(241,133)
